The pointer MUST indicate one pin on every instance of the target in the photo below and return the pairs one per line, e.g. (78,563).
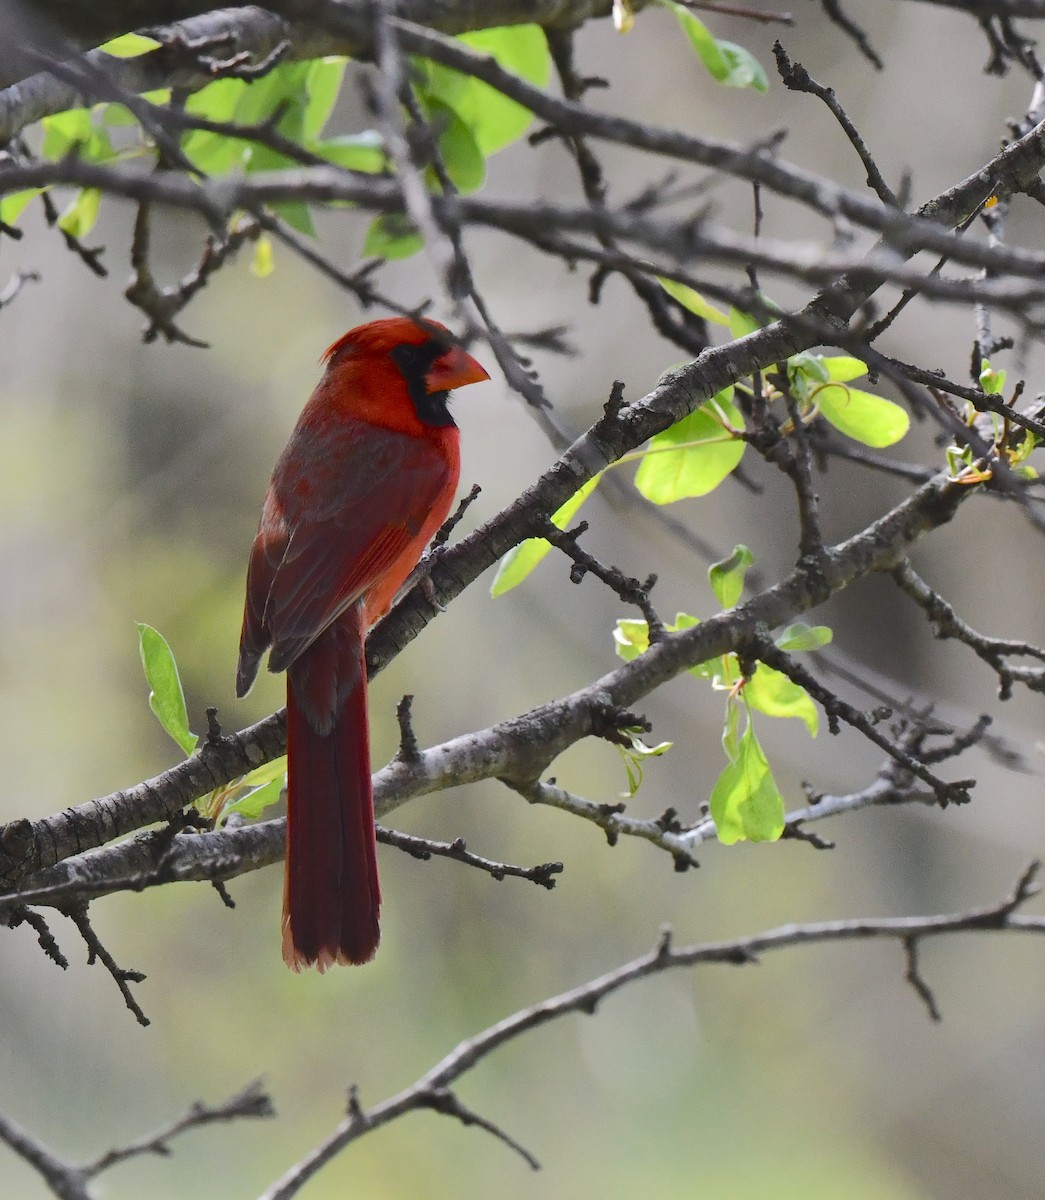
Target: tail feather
(331,895)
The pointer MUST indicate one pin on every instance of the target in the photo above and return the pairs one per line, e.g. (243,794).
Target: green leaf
(801,636)
(297,215)
(862,416)
(745,801)
(742,323)
(357,151)
(727,577)
(117,116)
(991,381)
(725,62)
(12,206)
(635,755)
(79,218)
(461,155)
(841,368)
(218,100)
(632,638)
(285,88)
(214,153)
(522,559)
(493,120)
(75,129)
(166,699)
(322,83)
(274,769)
(723,671)
(693,301)
(264,784)
(771,692)
(731,729)
(704,670)
(392,236)
(254,803)
(264,262)
(806,371)
(129,45)
(702,41)
(744,69)
(695,455)
(65,130)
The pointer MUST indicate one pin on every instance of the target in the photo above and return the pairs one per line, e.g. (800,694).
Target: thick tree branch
(517,751)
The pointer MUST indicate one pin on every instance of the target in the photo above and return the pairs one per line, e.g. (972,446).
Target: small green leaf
(632,638)
(461,155)
(284,88)
(117,116)
(392,236)
(862,416)
(129,45)
(692,300)
(745,71)
(218,100)
(727,577)
(64,130)
(704,670)
(991,381)
(264,261)
(79,218)
(276,769)
(702,41)
(634,756)
(745,801)
(322,83)
(166,699)
(297,215)
(742,323)
(695,455)
(725,62)
(265,785)
(12,206)
(357,151)
(731,729)
(214,153)
(806,371)
(521,560)
(771,692)
(254,803)
(493,120)
(801,636)
(841,368)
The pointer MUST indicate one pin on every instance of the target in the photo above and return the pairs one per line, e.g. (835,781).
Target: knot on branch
(18,854)
(616,724)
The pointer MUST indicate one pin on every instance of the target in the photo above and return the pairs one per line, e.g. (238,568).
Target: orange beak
(453,369)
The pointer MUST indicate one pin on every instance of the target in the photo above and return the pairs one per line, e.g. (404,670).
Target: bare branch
(586,998)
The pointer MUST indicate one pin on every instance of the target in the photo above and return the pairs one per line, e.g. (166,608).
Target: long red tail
(331,897)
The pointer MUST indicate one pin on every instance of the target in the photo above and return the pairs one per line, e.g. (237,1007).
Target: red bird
(365,481)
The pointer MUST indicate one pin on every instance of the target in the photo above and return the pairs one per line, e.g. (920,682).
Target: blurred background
(130,481)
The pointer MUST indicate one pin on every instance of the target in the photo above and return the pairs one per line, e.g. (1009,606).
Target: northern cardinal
(365,481)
